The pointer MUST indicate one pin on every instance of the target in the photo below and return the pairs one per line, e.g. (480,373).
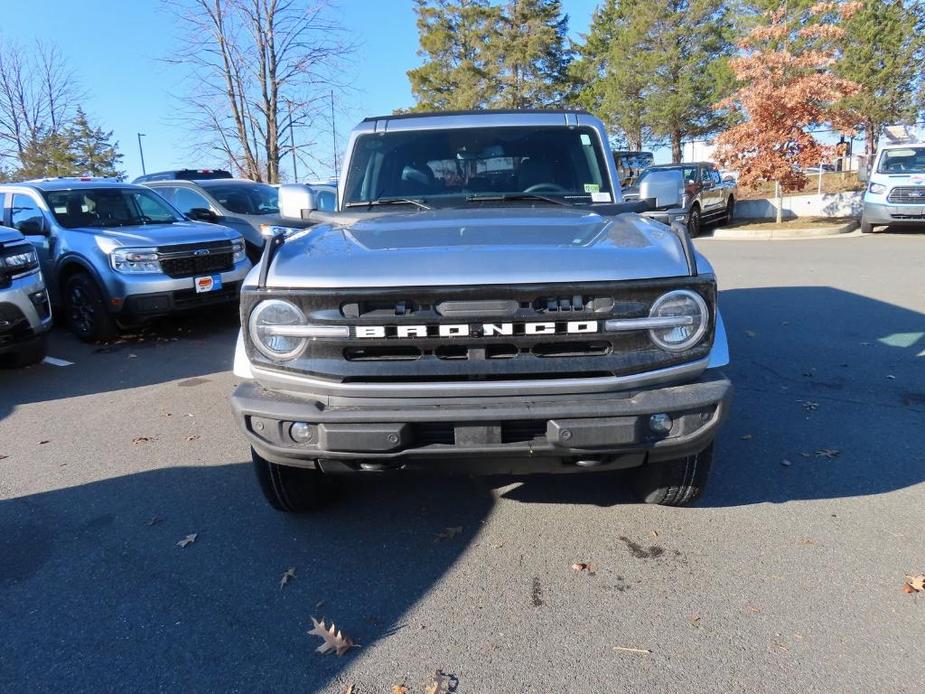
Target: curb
(772,234)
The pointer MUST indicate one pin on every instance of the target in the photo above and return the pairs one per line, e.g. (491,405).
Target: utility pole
(141,153)
(334,134)
(295,170)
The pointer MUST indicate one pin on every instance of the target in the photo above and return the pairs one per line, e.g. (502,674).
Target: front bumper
(884,213)
(25,313)
(552,433)
(157,295)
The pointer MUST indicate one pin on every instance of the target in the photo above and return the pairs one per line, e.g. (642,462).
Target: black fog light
(660,423)
(300,432)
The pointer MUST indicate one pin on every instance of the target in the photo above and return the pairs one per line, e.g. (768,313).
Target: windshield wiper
(504,197)
(389,201)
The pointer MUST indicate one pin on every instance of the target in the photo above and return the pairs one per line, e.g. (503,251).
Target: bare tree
(259,71)
(38,95)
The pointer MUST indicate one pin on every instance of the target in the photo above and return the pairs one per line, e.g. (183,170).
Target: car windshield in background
(906,160)
(109,207)
(454,165)
(689,172)
(246,198)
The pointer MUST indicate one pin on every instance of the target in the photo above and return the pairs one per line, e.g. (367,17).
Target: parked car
(184,175)
(706,195)
(630,164)
(25,312)
(117,253)
(481,300)
(239,204)
(895,193)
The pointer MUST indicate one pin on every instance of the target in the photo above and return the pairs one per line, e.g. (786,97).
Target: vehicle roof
(477,112)
(905,145)
(71,184)
(205,182)
(682,164)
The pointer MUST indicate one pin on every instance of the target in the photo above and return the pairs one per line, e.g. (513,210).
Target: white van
(895,193)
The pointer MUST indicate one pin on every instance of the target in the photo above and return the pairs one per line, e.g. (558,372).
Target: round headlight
(691,320)
(268,315)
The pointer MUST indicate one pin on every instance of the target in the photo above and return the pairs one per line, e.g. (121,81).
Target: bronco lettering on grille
(482,330)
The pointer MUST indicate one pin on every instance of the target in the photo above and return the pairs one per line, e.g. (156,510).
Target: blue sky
(115,47)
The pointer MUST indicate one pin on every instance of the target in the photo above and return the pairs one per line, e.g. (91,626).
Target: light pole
(295,171)
(141,153)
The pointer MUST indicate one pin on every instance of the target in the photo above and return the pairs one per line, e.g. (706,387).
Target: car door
(712,194)
(31,221)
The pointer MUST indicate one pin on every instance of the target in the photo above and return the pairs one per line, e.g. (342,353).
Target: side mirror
(297,201)
(728,179)
(34,226)
(662,189)
(202,214)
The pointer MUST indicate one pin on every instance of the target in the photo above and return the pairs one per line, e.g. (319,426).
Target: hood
(454,247)
(8,235)
(163,234)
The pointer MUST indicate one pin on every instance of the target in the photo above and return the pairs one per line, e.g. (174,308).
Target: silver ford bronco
(25,313)
(482,299)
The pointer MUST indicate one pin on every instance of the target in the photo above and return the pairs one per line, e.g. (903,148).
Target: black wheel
(694,222)
(673,482)
(85,310)
(31,353)
(866,228)
(730,209)
(291,489)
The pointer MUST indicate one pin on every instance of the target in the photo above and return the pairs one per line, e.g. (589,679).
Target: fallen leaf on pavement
(448,533)
(3,457)
(582,566)
(694,619)
(441,684)
(810,405)
(287,575)
(142,439)
(628,649)
(914,584)
(828,453)
(745,437)
(349,689)
(42,443)
(153,520)
(188,540)
(334,639)
(399,689)
(192,438)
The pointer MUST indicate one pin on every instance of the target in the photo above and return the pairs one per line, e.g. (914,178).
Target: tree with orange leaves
(787,87)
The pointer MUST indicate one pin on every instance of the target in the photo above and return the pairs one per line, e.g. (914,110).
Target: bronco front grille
(390,356)
(907,195)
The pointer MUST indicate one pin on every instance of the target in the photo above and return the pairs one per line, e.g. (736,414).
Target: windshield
(689,173)
(449,166)
(109,207)
(905,160)
(246,198)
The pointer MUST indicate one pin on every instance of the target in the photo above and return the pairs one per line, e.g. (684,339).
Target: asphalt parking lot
(786,577)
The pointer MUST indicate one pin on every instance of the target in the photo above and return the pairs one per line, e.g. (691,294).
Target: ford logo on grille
(201,252)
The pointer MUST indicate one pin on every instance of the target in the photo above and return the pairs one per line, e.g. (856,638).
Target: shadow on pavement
(93,598)
(180,347)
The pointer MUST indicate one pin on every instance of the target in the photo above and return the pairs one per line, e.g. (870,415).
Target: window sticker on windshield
(592,187)
(585,139)
(600,197)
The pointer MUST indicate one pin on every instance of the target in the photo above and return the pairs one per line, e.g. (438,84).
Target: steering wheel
(546,188)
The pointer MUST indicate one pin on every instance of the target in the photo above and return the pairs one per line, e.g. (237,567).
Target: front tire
(291,489)
(694,222)
(85,309)
(730,209)
(676,482)
(866,228)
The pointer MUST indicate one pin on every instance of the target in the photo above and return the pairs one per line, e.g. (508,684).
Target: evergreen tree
(92,149)
(48,155)
(534,55)
(883,54)
(457,38)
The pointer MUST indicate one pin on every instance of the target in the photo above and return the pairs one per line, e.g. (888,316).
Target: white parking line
(56,362)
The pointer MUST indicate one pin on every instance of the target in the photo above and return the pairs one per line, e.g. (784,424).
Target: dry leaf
(42,443)
(334,639)
(188,540)
(399,689)
(141,439)
(694,619)
(287,574)
(447,533)
(192,438)
(153,520)
(628,649)
(3,457)
(441,684)
(914,584)
(582,566)
(349,689)
(828,453)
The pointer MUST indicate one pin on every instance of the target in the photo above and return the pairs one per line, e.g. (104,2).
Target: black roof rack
(476,112)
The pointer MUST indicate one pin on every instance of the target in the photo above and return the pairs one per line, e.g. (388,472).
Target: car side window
(25,215)
(326,201)
(186,199)
(714,174)
(705,177)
